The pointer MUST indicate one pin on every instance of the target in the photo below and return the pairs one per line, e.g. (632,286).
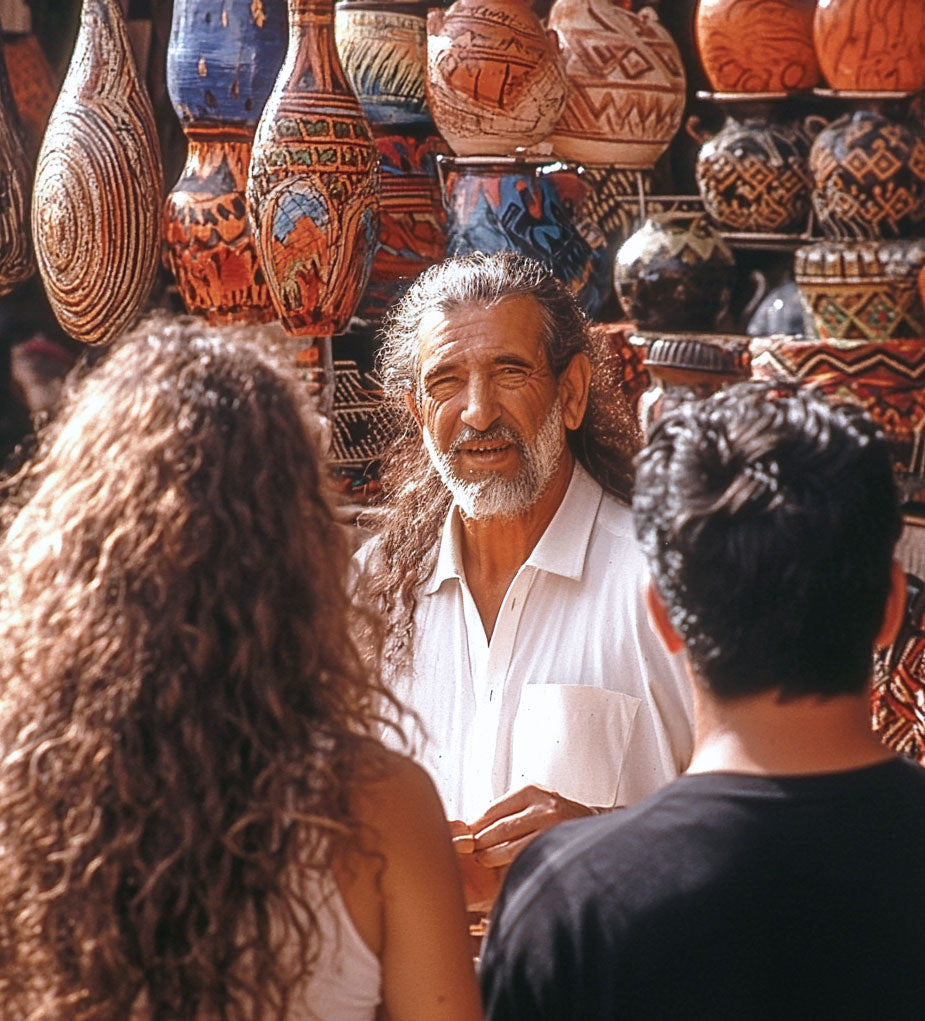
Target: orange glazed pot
(871,45)
(757,45)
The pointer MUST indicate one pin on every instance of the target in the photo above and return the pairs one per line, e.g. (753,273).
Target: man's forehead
(522,309)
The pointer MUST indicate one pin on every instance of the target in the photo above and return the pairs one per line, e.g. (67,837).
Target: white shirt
(574,692)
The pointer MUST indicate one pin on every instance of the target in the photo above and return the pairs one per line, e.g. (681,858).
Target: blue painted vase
(531,206)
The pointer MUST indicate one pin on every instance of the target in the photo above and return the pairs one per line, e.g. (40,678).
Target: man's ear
(895,608)
(659,617)
(413,408)
(573,390)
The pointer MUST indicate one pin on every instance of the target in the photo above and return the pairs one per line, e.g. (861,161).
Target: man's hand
(516,819)
(481,884)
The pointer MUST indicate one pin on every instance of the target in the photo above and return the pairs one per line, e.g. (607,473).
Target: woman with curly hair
(196,820)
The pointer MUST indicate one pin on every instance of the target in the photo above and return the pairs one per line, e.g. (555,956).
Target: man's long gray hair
(416,500)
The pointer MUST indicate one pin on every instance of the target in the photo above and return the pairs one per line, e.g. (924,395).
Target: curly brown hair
(183,714)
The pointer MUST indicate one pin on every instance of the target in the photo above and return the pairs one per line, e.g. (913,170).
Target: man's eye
(444,387)
(512,374)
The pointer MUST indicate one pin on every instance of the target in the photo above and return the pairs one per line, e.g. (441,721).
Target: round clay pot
(753,175)
(495,79)
(627,86)
(697,360)
(862,290)
(868,177)
(871,45)
(675,273)
(757,45)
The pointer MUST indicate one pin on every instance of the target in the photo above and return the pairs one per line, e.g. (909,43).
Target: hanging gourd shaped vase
(313,185)
(222,61)
(98,185)
(17,262)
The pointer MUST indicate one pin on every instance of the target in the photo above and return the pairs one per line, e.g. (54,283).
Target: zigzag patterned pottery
(871,45)
(627,86)
(313,185)
(495,79)
(869,177)
(222,60)
(675,273)
(98,185)
(383,48)
(17,259)
(412,220)
(528,205)
(753,175)
(887,378)
(862,290)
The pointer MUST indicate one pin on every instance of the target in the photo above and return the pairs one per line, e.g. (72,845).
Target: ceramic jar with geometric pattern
(862,290)
(868,175)
(627,86)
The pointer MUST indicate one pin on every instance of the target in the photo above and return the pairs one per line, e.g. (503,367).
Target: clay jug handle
(555,43)
(696,131)
(434,21)
(813,123)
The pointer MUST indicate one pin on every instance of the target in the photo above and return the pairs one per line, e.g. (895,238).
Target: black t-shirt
(723,896)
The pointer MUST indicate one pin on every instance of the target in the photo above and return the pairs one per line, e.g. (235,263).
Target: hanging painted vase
(626,85)
(383,48)
(757,45)
(222,60)
(98,185)
(412,220)
(530,206)
(675,273)
(871,45)
(17,261)
(495,78)
(868,175)
(313,185)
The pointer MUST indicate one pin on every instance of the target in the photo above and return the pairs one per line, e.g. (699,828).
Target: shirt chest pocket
(572,739)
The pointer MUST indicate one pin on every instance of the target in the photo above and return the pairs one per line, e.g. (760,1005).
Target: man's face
(490,408)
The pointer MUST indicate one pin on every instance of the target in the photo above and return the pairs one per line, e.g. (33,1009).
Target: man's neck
(763,736)
(494,549)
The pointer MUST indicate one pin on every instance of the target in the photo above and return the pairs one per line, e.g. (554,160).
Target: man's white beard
(489,494)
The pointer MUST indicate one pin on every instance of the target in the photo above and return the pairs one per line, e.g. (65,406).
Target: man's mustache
(495,432)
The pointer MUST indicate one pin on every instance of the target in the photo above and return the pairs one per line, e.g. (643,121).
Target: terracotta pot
(17,259)
(868,177)
(98,185)
(412,221)
(313,185)
(627,86)
(612,200)
(862,290)
(757,45)
(383,48)
(675,273)
(34,86)
(753,175)
(222,61)
(871,44)
(529,206)
(495,79)
(702,362)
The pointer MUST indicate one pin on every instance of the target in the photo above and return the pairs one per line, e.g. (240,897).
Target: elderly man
(506,563)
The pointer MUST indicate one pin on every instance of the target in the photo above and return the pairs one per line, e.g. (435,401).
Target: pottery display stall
(313,184)
(868,175)
(495,76)
(383,49)
(864,290)
(222,62)
(98,185)
(675,273)
(757,45)
(17,260)
(626,85)
(530,206)
(871,45)
(753,175)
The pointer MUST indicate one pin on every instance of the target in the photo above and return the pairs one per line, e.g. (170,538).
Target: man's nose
(481,405)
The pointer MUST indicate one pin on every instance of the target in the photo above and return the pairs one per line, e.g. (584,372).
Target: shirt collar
(562,547)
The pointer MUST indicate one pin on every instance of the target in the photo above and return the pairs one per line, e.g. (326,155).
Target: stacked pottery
(98,185)
(222,61)
(17,262)
(757,45)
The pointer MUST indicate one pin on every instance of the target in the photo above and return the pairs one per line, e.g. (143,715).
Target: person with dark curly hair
(196,819)
(782,875)
(506,565)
